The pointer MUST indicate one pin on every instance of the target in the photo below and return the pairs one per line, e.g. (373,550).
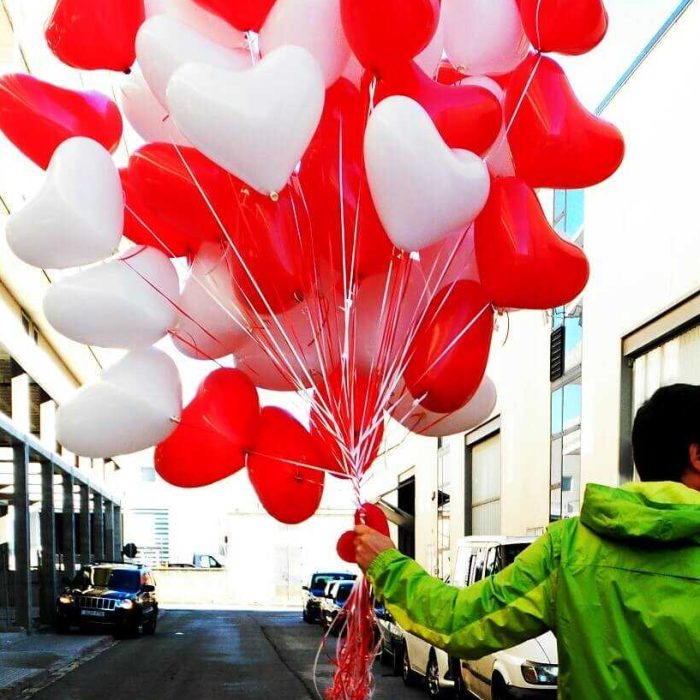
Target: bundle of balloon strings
(357,647)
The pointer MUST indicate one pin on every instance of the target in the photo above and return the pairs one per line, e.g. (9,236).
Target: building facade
(56,510)
(570,381)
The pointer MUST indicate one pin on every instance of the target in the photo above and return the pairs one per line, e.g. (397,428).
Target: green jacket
(619,586)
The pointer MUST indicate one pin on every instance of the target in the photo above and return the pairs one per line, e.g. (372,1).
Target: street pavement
(212,655)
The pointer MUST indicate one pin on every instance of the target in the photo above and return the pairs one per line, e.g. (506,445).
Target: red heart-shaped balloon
(385,32)
(289,491)
(215,431)
(467,117)
(367,514)
(91,35)
(143,225)
(449,353)
(566,26)
(346,230)
(38,117)
(164,183)
(556,142)
(523,262)
(243,14)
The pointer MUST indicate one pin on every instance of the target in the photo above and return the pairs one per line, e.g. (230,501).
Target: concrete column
(47,424)
(118,541)
(68,526)
(109,531)
(98,534)
(85,529)
(23,581)
(20,401)
(48,587)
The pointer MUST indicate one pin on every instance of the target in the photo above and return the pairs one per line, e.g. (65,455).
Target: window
(443,512)
(478,563)
(486,486)
(568,215)
(565,464)
(148,473)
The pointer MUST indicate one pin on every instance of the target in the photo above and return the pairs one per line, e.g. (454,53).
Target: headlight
(125,604)
(540,674)
(65,599)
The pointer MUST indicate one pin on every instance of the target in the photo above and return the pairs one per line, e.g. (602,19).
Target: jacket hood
(661,512)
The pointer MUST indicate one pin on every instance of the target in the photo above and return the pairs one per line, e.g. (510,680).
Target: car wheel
(410,677)
(396,659)
(306,617)
(150,626)
(432,677)
(499,689)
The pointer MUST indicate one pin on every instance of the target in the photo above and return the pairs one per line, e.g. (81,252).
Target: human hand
(369,544)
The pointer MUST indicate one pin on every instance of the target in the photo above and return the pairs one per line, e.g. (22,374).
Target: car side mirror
(304,588)
(148,588)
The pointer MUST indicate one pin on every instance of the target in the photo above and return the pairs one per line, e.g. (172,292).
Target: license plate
(92,613)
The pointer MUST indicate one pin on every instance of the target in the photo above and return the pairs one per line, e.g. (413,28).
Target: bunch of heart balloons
(351,188)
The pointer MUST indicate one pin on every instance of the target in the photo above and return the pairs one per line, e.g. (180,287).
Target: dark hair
(664,429)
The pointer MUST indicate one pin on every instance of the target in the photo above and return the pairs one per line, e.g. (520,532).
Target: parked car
(337,594)
(529,670)
(419,661)
(314,593)
(391,636)
(199,561)
(122,596)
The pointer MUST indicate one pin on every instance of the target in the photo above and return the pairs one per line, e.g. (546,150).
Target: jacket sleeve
(495,613)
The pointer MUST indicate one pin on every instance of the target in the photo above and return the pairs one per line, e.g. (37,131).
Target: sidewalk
(30,661)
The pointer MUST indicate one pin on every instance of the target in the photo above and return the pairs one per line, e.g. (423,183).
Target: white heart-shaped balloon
(77,216)
(484,37)
(313,24)
(124,303)
(257,123)
(145,114)
(209,324)
(206,23)
(134,405)
(163,44)
(422,189)
(418,420)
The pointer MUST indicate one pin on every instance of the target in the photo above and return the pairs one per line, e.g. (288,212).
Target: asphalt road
(211,655)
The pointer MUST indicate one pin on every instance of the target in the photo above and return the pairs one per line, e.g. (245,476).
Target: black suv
(120,595)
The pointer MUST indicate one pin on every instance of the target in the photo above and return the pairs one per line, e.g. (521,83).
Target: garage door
(678,360)
(486,486)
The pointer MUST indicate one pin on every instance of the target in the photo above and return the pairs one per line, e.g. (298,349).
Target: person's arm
(495,613)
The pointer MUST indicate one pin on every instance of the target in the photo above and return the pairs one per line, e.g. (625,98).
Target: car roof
(332,573)
(116,565)
(495,539)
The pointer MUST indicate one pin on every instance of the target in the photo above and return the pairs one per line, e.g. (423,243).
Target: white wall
(642,229)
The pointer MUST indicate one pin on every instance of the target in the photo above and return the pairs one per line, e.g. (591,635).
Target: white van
(529,670)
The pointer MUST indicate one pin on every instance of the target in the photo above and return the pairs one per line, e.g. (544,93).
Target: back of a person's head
(664,429)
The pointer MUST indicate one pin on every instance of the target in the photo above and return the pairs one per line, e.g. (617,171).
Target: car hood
(548,644)
(98,592)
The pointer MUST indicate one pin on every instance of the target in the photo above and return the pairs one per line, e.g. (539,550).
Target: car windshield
(343,592)
(319,581)
(116,579)
(510,551)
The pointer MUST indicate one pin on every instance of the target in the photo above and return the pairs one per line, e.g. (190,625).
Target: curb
(43,676)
